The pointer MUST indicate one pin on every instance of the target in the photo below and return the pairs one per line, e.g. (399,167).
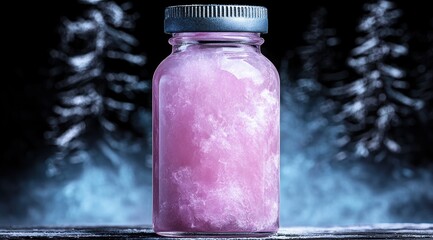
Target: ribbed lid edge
(215,17)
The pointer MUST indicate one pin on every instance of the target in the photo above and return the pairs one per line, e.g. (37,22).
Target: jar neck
(180,41)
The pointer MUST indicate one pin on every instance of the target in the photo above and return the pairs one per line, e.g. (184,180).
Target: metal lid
(215,18)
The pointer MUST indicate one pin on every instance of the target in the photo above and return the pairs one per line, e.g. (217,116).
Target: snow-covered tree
(425,75)
(97,79)
(308,133)
(305,88)
(318,58)
(378,101)
(422,73)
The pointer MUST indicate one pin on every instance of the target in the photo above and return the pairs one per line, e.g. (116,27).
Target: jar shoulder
(245,62)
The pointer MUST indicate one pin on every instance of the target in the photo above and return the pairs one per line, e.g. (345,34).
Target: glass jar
(216,132)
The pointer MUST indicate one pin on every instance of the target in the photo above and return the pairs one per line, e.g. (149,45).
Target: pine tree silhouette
(422,73)
(307,106)
(98,82)
(378,101)
(319,58)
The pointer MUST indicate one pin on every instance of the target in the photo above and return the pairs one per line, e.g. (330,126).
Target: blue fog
(316,190)
(319,186)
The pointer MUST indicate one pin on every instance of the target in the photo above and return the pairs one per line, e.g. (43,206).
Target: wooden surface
(383,231)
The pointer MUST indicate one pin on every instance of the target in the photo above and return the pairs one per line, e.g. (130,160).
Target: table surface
(380,231)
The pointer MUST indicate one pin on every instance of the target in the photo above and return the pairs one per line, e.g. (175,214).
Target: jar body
(216,137)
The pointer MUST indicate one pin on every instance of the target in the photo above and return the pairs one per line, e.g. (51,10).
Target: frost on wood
(378,100)
(97,80)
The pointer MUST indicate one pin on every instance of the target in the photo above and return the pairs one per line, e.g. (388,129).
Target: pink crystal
(216,142)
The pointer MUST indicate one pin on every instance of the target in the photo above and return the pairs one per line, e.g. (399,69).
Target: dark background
(351,191)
